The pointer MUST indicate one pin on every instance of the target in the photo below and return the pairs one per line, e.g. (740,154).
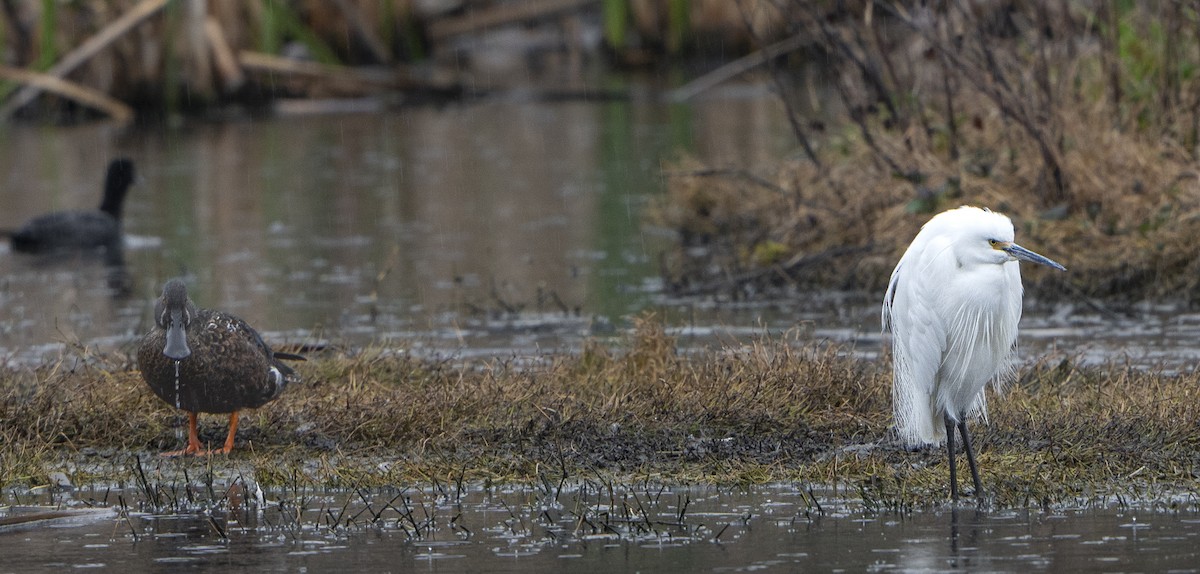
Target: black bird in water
(81,229)
(205,361)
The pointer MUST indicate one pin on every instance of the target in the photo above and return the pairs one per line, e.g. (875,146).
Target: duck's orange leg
(233,424)
(193,446)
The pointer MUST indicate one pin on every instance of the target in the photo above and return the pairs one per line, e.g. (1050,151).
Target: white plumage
(953,304)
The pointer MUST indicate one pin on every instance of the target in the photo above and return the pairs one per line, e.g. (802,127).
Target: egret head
(981,236)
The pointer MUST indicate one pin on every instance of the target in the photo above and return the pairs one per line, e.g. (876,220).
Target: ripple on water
(437,556)
(512,523)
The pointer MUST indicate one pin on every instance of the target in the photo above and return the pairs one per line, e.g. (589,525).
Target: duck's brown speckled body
(205,361)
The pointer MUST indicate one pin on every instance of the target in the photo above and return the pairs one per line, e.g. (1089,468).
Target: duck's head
(173,313)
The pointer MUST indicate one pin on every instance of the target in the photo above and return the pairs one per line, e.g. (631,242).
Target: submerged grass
(767,411)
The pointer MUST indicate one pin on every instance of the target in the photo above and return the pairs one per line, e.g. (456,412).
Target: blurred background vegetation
(187,55)
(1080,120)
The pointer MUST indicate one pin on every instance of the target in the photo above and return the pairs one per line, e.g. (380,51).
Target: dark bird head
(174,313)
(116,184)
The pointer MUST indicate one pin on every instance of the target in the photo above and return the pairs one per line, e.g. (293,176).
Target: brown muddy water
(494,228)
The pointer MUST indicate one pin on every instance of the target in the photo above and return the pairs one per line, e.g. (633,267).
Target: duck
(205,361)
(81,229)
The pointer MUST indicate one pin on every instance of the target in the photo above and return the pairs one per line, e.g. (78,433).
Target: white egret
(953,304)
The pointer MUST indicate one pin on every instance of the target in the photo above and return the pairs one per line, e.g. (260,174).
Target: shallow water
(485,227)
(1164,337)
(586,526)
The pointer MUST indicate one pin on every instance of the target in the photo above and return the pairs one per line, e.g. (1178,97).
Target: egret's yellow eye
(993,243)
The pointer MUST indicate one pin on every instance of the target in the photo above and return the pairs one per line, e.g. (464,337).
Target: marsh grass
(1130,233)
(767,411)
(1041,122)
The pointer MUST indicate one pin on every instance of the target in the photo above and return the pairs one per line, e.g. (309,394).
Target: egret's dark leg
(962,428)
(950,454)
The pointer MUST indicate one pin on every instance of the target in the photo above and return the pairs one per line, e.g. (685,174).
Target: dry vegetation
(771,411)
(1080,124)
(141,59)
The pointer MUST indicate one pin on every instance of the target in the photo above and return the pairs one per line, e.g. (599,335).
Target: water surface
(590,527)
(497,224)
(480,229)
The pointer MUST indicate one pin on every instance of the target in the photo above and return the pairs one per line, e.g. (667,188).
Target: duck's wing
(256,340)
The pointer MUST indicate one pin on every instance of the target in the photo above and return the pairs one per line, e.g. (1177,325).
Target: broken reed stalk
(232,77)
(85,51)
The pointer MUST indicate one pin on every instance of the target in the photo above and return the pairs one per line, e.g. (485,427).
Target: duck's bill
(177,347)
(1026,255)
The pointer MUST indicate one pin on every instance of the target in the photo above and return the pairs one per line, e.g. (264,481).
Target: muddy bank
(635,408)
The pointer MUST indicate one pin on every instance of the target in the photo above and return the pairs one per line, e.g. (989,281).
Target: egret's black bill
(1027,255)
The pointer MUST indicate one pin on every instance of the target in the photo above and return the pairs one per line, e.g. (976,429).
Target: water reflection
(435,224)
(486,229)
(591,525)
